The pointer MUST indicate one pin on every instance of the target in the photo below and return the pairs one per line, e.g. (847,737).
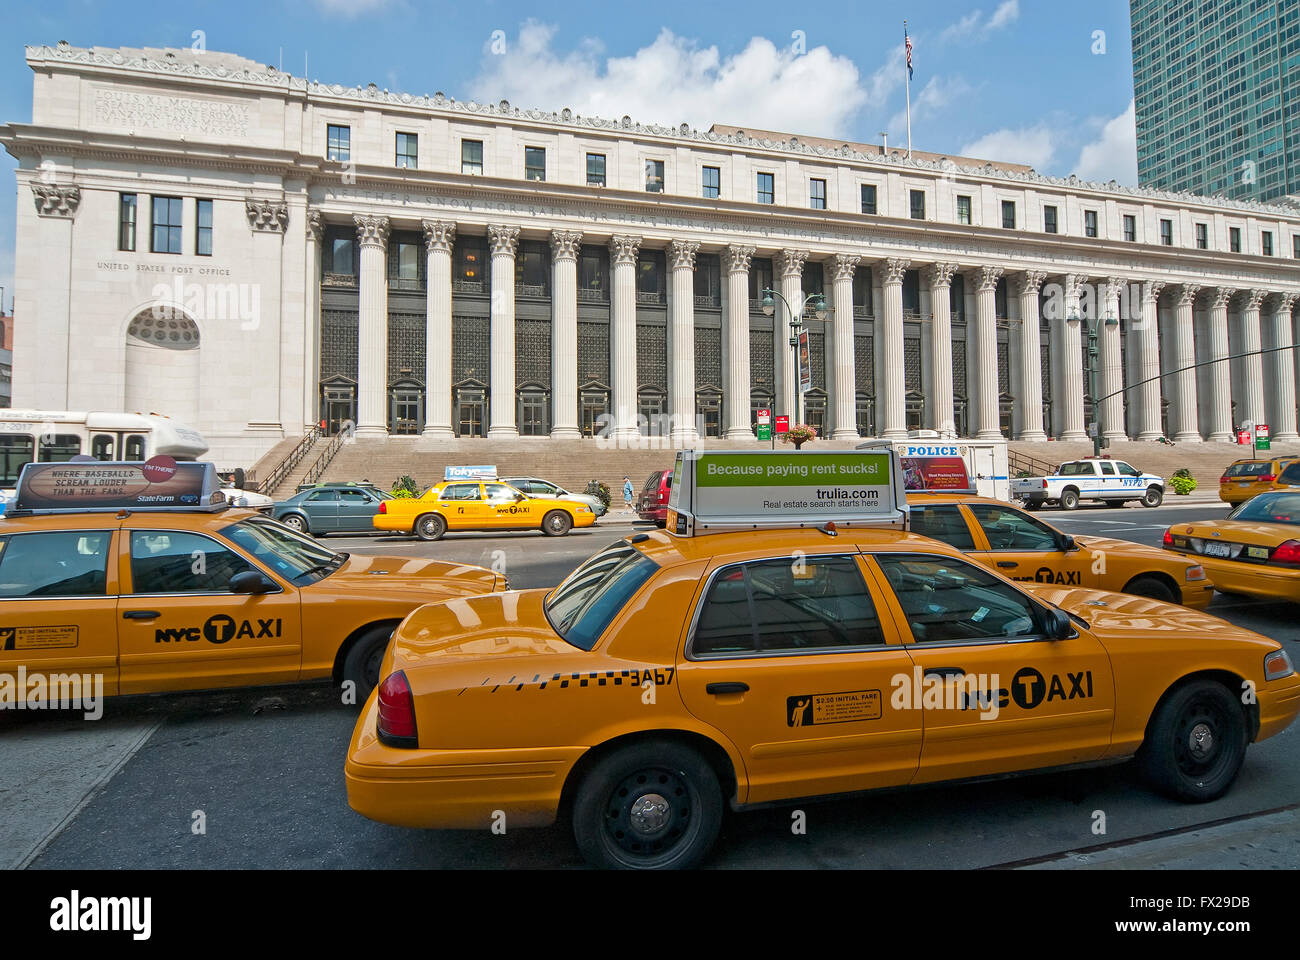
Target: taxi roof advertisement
(158,482)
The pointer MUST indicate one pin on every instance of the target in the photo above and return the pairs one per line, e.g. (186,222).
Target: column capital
(267,216)
(1030,282)
(736,258)
(989,277)
(681,254)
(504,239)
(789,263)
(895,267)
(439,235)
(1073,281)
(623,249)
(843,266)
(371,231)
(1222,296)
(565,245)
(1285,301)
(315,225)
(55,200)
(1187,294)
(940,275)
(1151,290)
(1253,298)
(1114,286)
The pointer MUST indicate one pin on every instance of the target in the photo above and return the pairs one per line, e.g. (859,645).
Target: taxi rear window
(1253,468)
(1292,473)
(1270,508)
(587,601)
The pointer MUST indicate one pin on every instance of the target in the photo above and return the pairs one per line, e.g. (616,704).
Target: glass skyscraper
(1216,84)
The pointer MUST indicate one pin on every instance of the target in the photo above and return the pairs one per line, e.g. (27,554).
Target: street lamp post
(796,323)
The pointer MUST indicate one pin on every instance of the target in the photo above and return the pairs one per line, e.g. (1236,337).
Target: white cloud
(350,9)
(963,28)
(1113,155)
(1034,146)
(973,26)
(932,98)
(1006,13)
(673,80)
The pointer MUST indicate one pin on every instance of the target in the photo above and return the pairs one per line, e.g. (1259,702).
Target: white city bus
(45,436)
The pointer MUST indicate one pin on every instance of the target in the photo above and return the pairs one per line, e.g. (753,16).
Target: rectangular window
(1202,237)
(1234,239)
(1049,220)
(869,198)
(126,208)
(167,218)
(471,157)
(917,200)
(408,261)
(203,235)
(1167,232)
(1090,223)
(71,564)
(1266,242)
(817,194)
(595,169)
(766,188)
(1008,215)
(1295,246)
(408,150)
(1130,228)
(339,143)
(711,182)
(654,176)
(534,163)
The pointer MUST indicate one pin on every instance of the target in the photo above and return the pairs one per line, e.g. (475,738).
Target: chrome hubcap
(649,814)
(1201,741)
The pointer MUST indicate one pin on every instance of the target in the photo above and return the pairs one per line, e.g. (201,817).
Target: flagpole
(907,83)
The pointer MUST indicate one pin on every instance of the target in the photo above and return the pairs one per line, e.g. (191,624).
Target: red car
(652,504)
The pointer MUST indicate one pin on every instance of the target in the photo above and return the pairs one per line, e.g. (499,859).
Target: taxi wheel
(1151,587)
(1196,742)
(653,806)
(1153,498)
(295,523)
(361,665)
(557,523)
(1069,500)
(430,527)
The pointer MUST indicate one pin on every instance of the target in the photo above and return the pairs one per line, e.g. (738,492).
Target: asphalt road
(254,778)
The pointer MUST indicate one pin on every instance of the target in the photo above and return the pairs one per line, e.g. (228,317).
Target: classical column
(622,334)
(439,235)
(789,266)
(504,241)
(372,327)
(1150,426)
(1071,365)
(1185,426)
(1220,424)
(311,327)
(942,419)
(1252,381)
(681,348)
(565,247)
(43,361)
(1031,355)
(1281,368)
(735,260)
(987,422)
(890,398)
(844,394)
(1110,381)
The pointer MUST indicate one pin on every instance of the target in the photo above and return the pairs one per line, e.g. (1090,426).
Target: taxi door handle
(719,688)
(140,614)
(945,672)
(1007,563)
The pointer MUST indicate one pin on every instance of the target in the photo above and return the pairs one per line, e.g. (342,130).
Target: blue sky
(1030,81)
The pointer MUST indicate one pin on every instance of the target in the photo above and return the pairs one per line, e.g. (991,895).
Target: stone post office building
(204,236)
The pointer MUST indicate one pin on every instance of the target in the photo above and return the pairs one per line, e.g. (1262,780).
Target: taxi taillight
(1267,478)
(1225,478)
(1287,552)
(383,506)
(1169,537)
(396,725)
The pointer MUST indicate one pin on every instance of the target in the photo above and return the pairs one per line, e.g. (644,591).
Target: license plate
(1243,484)
(1258,553)
(1217,550)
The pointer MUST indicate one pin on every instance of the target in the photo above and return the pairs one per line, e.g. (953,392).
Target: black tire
(557,523)
(430,526)
(296,522)
(1195,743)
(1033,504)
(1152,587)
(361,665)
(679,825)
(1070,499)
(1153,497)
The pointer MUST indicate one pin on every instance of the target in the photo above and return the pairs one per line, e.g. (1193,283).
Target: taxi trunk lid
(450,579)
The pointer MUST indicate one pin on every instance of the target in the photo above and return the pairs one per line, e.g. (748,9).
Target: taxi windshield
(581,607)
(294,557)
(1266,508)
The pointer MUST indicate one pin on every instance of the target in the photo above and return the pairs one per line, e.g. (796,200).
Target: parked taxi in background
(480,505)
(159,586)
(1254,550)
(1244,479)
(1022,547)
(750,655)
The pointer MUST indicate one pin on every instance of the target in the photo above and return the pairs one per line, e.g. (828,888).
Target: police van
(951,466)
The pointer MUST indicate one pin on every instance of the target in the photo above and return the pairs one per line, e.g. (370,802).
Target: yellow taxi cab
(158,585)
(480,505)
(1254,550)
(783,638)
(1022,547)
(1244,479)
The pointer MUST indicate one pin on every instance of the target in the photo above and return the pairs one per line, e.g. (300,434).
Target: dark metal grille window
(406,264)
(126,216)
(408,150)
(471,156)
(766,188)
(1090,223)
(1049,220)
(817,359)
(470,272)
(864,365)
(405,346)
(868,198)
(760,278)
(534,163)
(817,194)
(708,356)
(533,269)
(651,356)
(593,351)
(339,255)
(711,182)
(761,359)
(959,369)
(862,306)
(338,344)
(592,276)
(167,225)
(595,169)
(917,200)
(650,277)
(911,293)
(1004,368)
(338,143)
(1130,228)
(654,176)
(203,230)
(1045,368)
(532,351)
(470,339)
(708,280)
(912,363)
(813,281)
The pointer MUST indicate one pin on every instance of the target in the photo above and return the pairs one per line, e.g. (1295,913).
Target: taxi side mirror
(1059,625)
(520,496)
(251,581)
(1068,544)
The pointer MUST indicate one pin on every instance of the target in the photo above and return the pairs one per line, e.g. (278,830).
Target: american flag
(907,42)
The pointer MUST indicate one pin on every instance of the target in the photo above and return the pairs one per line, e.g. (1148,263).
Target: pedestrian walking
(627,494)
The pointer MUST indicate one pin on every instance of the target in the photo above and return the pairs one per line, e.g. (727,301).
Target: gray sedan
(537,487)
(322,510)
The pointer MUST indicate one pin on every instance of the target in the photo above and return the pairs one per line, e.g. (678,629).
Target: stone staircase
(287,486)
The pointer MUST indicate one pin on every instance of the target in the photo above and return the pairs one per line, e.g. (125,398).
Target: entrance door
(340,406)
(595,408)
(471,412)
